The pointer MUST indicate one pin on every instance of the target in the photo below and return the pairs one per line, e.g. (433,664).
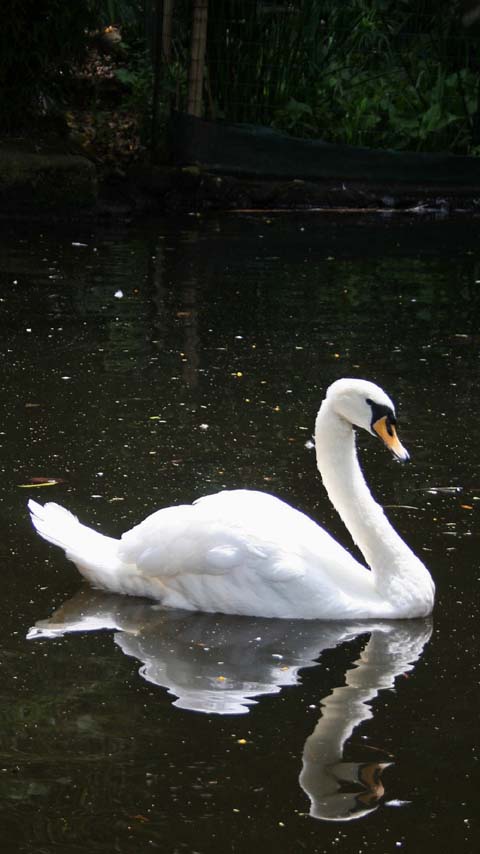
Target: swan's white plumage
(247,552)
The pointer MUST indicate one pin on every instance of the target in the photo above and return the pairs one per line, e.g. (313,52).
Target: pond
(148,364)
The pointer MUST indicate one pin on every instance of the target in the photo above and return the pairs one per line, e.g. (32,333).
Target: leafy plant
(365,72)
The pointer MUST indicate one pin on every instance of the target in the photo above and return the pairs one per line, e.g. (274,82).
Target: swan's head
(366,405)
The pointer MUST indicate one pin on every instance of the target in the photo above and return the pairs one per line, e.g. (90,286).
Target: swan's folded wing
(239,552)
(192,539)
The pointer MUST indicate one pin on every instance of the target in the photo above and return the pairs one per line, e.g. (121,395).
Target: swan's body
(247,552)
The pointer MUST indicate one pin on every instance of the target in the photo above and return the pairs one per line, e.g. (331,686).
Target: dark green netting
(260,152)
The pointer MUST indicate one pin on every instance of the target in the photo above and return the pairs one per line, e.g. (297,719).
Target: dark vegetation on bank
(94,80)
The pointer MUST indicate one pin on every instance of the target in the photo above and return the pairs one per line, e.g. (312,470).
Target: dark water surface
(148,365)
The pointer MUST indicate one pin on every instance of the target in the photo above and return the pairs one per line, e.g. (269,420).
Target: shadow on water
(147,365)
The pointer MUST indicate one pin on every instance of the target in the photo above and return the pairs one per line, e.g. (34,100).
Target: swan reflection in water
(218,664)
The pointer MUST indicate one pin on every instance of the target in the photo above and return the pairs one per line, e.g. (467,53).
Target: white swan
(247,552)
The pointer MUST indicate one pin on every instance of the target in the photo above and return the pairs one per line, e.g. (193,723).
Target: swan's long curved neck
(399,576)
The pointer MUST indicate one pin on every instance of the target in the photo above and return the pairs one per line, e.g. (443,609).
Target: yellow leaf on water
(37,485)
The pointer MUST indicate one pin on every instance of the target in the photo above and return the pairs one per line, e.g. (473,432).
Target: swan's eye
(379,410)
(390,421)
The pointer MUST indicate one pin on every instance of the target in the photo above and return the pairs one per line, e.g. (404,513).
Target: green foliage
(389,111)
(402,74)
(381,73)
(121,13)
(137,77)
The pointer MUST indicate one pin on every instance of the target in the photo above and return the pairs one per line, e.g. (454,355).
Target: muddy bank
(44,182)
(57,184)
(192,189)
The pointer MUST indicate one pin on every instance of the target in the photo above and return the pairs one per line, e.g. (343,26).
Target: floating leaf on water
(36,482)
(447,490)
(401,507)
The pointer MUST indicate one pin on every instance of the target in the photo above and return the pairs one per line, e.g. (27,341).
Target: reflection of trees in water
(218,327)
(193,291)
(227,335)
(221,665)
(250,276)
(175,295)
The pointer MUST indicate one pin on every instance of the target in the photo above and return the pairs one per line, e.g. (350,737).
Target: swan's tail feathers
(95,555)
(54,523)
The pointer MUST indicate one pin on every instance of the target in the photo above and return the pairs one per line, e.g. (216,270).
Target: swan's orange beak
(387,433)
